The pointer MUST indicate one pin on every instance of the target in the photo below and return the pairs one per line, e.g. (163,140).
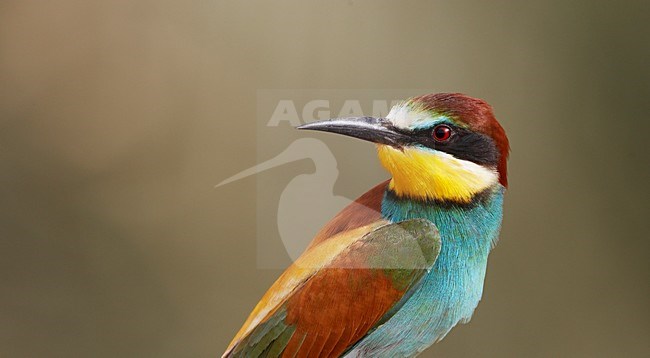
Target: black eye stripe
(463,144)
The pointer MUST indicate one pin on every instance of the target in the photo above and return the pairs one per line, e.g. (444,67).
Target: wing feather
(339,290)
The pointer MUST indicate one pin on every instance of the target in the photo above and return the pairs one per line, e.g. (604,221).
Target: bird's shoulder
(362,212)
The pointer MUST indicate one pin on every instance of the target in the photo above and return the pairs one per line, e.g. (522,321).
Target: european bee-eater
(397,269)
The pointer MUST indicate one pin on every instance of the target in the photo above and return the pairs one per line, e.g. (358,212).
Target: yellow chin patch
(428,175)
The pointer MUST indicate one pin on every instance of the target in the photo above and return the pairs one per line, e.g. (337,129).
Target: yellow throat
(421,174)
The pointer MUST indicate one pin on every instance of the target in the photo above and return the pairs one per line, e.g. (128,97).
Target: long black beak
(376,130)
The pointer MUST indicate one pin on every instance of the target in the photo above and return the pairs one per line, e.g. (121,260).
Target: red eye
(441,133)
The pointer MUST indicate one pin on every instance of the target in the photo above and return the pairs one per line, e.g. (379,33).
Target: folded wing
(339,290)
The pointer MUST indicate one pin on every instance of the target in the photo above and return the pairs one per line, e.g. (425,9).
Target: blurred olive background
(117,118)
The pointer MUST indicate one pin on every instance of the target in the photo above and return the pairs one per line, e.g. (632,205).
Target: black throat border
(479,198)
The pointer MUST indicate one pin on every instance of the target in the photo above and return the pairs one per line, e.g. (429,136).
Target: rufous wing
(339,290)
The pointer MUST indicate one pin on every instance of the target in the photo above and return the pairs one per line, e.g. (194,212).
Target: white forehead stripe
(405,116)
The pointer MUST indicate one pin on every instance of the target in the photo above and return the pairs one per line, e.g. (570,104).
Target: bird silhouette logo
(298,219)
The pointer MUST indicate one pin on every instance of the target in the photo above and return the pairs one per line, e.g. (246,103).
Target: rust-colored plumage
(335,293)
(362,298)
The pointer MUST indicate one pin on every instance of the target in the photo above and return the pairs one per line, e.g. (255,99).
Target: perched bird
(397,269)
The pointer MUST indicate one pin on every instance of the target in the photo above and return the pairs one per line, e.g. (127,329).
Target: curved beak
(376,130)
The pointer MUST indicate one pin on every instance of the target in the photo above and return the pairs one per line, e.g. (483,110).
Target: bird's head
(444,147)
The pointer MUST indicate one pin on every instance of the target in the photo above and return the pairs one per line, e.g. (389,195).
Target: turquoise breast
(452,289)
